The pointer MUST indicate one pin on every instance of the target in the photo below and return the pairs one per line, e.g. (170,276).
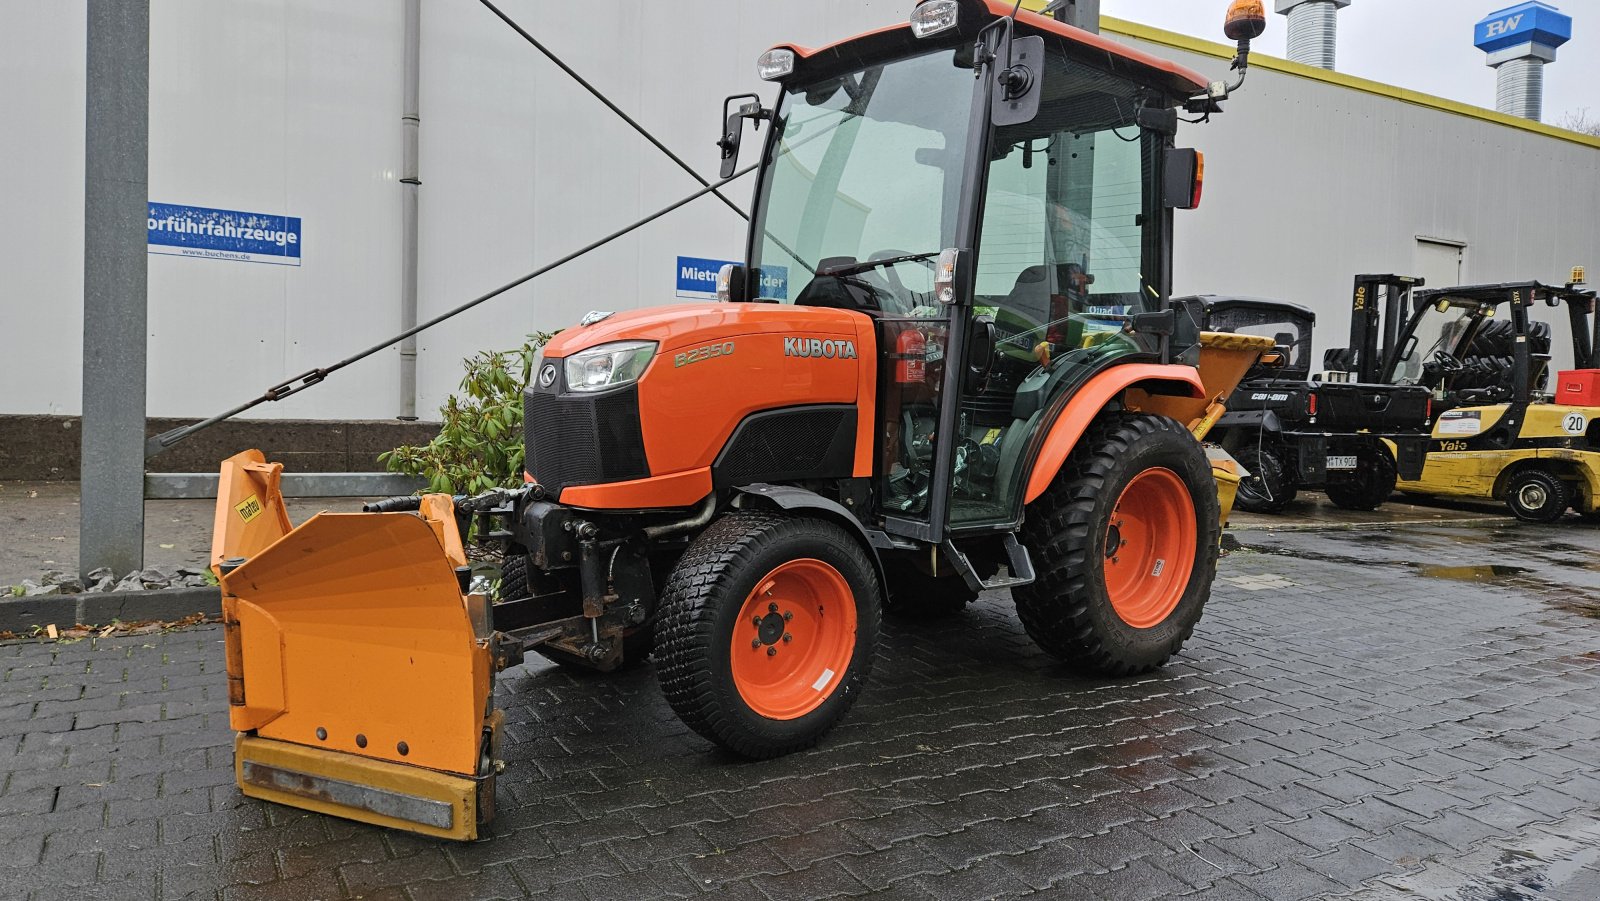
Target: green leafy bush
(479,445)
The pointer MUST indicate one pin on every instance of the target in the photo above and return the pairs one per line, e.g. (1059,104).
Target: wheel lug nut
(755,621)
(755,642)
(788,637)
(772,652)
(772,608)
(788,615)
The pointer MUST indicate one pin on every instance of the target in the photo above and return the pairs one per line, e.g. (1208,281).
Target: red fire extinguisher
(912,349)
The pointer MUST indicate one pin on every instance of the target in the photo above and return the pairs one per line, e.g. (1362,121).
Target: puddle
(1553,861)
(1490,572)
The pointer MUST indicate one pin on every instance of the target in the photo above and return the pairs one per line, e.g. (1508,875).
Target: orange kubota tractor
(977,382)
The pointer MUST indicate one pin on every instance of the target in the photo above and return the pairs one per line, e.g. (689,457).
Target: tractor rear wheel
(1268,488)
(1125,543)
(1369,485)
(768,626)
(1536,495)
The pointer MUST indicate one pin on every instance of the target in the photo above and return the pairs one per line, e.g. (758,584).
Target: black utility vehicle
(1291,431)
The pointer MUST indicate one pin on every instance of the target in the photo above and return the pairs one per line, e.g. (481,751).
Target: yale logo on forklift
(817,347)
(249,508)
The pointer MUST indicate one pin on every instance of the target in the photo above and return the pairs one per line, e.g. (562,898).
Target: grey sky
(1424,45)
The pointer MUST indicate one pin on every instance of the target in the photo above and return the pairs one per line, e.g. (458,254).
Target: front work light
(775,64)
(608,365)
(933,16)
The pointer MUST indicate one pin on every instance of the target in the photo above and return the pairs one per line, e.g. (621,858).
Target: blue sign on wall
(697,277)
(206,233)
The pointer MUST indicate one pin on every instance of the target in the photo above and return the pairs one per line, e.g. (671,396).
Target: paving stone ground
(1372,715)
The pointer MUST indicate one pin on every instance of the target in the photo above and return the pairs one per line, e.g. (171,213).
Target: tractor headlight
(608,365)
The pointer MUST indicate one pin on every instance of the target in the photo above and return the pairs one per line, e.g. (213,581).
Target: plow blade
(358,681)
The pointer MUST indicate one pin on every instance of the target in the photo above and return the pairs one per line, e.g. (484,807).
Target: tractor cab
(1008,235)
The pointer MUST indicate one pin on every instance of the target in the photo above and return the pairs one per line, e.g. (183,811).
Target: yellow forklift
(1498,435)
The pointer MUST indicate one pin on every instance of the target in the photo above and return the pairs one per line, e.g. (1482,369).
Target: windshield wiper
(857,268)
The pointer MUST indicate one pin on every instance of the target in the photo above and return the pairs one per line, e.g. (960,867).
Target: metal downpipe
(410,183)
(1314,33)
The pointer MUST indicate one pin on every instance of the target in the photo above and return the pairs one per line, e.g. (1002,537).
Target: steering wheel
(1446,362)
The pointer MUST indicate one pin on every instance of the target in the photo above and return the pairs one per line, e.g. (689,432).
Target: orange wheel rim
(793,639)
(1150,548)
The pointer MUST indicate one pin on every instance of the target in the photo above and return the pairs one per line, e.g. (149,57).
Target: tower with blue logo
(1519,41)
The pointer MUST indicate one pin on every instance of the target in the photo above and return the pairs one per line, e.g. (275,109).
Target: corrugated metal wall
(292,107)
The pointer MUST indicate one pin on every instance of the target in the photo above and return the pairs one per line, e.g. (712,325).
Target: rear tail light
(1199,179)
(1311,404)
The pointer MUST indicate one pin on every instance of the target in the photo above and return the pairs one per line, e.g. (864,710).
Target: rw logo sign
(1504,26)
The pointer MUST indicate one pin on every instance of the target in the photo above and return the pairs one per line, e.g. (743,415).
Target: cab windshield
(1433,332)
(866,171)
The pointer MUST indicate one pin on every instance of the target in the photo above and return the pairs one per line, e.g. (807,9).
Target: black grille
(797,443)
(583,439)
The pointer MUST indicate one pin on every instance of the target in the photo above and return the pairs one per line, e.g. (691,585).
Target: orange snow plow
(359,669)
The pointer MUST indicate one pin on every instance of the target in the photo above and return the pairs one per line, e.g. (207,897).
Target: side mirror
(733,128)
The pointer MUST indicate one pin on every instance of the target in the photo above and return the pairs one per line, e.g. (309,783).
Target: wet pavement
(1371,714)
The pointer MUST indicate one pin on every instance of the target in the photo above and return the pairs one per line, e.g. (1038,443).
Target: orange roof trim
(1048,25)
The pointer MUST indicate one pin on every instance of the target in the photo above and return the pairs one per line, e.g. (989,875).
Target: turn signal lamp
(725,282)
(775,64)
(1246,21)
(1199,179)
(933,16)
(1578,275)
(944,275)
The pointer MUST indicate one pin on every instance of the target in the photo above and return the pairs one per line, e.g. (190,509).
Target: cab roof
(1119,58)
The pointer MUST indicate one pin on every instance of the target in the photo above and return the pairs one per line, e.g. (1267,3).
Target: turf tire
(1067,610)
(700,607)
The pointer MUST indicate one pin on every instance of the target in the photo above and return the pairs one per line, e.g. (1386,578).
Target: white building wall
(1309,183)
(292,107)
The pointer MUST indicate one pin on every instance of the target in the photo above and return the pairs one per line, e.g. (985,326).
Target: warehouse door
(1440,262)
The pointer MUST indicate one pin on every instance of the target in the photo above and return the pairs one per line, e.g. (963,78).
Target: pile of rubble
(104,581)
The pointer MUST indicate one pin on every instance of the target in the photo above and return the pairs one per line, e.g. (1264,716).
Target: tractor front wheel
(1536,495)
(1125,543)
(767,629)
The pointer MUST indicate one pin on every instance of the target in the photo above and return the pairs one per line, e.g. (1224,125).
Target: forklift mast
(1375,329)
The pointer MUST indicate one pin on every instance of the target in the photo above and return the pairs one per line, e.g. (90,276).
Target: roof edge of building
(1137,31)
